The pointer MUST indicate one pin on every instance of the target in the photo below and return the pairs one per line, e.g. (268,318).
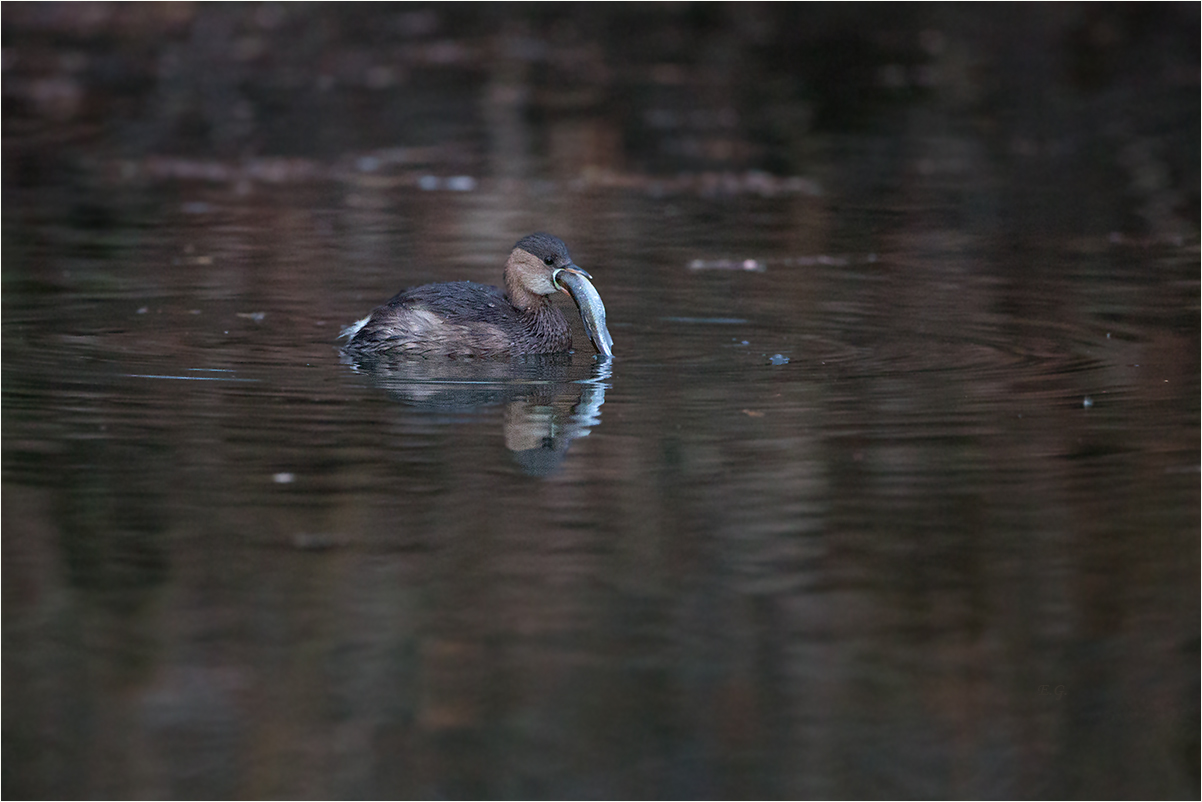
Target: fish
(575,282)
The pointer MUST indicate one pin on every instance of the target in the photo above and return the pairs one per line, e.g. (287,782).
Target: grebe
(464,318)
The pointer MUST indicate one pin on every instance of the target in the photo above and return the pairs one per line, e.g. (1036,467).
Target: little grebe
(463,318)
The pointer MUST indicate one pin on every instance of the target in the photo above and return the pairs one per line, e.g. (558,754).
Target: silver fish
(575,282)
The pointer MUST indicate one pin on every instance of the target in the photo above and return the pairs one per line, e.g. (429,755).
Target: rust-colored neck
(523,274)
(521,297)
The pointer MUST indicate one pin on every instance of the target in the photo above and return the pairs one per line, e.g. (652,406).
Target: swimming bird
(465,318)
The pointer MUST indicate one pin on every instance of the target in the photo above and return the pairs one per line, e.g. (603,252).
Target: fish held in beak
(575,282)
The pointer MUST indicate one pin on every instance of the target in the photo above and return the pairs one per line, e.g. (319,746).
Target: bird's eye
(548,260)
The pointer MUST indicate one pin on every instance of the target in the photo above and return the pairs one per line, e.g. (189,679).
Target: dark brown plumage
(463,318)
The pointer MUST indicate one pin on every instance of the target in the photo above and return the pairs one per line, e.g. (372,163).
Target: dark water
(892,488)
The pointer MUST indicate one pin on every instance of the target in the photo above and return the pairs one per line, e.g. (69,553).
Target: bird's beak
(571,268)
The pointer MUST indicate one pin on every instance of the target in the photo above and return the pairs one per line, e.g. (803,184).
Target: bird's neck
(521,297)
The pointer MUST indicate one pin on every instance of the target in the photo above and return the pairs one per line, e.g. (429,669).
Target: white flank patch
(353,329)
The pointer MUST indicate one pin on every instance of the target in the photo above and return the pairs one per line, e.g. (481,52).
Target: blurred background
(891,489)
(721,98)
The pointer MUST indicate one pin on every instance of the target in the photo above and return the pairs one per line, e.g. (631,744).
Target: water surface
(891,488)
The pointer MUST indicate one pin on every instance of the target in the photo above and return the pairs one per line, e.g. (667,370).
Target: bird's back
(459,318)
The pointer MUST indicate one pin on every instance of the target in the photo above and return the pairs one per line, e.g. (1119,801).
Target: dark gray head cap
(542,245)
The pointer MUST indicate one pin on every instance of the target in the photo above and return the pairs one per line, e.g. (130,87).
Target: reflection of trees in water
(594,94)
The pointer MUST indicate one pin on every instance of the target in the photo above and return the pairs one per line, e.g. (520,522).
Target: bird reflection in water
(548,402)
